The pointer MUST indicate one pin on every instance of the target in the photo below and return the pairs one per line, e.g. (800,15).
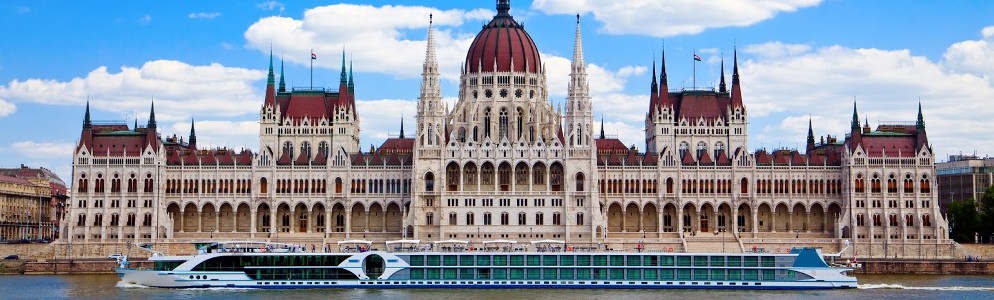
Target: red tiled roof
(723,159)
(610,146)
(892,146)
(705,158)
(688,159)
(15,180)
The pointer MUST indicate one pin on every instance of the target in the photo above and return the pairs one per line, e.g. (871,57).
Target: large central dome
(505,42)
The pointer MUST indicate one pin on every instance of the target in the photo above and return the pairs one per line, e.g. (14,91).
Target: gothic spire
(855,118)
(653,87)
(430,90)
(920,125)
(151,116)
(271,80)
(578,45)
(86,118)
(811,136)
(401,127)
(282,77)
(351,83)
(193,134)
(721,86)
(735,68)
(662,71)
(602,126)
(344,78)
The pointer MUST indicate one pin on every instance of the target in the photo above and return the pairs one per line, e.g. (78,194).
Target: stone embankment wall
(934,267)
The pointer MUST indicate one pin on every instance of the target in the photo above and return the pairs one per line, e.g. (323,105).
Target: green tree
(986,228)
(964,220)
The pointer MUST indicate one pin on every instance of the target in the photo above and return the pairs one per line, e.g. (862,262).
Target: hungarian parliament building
(504,163)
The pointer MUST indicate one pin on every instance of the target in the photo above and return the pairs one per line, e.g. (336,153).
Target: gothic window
(503,123)
(288,149)
(429,219)
(462,134)
(476,134)
(505,219)
(522,219)
(429,182)
(683,148)
(718,148)
(503,93)
(431,134)
(702,147)
(486,123)
(859,184)
(521,121)
(305,149)
(470,220)
(452,218)
(323,148)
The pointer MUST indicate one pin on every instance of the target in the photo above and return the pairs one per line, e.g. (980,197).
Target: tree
(964,220)
(986,225)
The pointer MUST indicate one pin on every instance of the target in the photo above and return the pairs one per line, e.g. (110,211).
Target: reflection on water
(109,287)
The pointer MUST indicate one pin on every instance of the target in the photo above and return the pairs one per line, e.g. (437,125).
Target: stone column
(735,221)
(182,218)
(679,220)
(253,223)
(624,216)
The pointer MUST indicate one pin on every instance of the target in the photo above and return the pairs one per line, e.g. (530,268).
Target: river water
(870,287)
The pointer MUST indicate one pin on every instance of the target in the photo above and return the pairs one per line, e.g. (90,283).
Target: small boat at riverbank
(499,264)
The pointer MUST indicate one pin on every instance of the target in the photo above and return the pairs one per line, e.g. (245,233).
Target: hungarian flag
(697,57)
(314,56)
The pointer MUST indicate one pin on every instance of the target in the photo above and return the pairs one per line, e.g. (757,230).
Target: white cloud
(776,49)
(145,20)
(6,108)
(271,5)
(374,37)
(212,133)
(204,15)
(973,57)
(227,46)
(180,90)
(380,119)
(672,17)
(43,150)
(886,83)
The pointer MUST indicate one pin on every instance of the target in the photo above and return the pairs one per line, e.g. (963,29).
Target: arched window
(323,148)
(859,185)
(521,122)
(683,148)
(579,182)
(288,149)
(305,149)
(926,221)
(429,182)
(462,134)
(429,219)
(470,219)
(263,186)
(718,148)
(702,147)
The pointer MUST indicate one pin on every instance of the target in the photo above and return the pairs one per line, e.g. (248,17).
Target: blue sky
(206,60)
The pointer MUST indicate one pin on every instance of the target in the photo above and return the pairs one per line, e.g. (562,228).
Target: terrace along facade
(504,163)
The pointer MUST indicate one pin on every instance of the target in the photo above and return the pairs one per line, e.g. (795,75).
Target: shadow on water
(109,287)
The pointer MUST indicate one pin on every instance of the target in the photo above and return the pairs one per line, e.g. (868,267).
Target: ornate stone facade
(504,163)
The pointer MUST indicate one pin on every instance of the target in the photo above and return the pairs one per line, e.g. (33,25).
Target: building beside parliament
(504,163)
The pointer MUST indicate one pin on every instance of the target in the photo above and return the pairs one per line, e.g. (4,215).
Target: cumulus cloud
(674,17)
(886,84)
(145,20)
(204,15)
(380,119)
(214,133)
(180,90)
(973,57)
(43,150)
(374,37)
(6,108)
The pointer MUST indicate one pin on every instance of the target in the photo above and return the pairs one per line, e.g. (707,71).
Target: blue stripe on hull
(524,286)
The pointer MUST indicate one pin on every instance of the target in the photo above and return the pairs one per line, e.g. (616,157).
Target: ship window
(566,260)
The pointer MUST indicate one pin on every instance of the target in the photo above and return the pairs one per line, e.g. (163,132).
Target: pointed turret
(86,118)
(920,124)
(653,89)
(402,127)
(344,78)
(270,83)
(855,134)
(282,77)
(721,86)
(193,135)
(921,139)
(136,124)
(602,127)
(151,116)
(351,83)
(811,137)
(736,88)
(664,88)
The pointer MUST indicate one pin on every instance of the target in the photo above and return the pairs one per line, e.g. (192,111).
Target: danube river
(870,287)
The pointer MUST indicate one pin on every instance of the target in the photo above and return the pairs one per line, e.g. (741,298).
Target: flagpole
(312,69)
(694,86)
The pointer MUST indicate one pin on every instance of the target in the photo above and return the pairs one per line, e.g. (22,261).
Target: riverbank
(931,267)
(64,267)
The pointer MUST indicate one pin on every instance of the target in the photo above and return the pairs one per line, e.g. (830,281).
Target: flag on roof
(697,57)
(314,56)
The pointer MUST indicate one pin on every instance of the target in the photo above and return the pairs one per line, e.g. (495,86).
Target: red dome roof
(505,41)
